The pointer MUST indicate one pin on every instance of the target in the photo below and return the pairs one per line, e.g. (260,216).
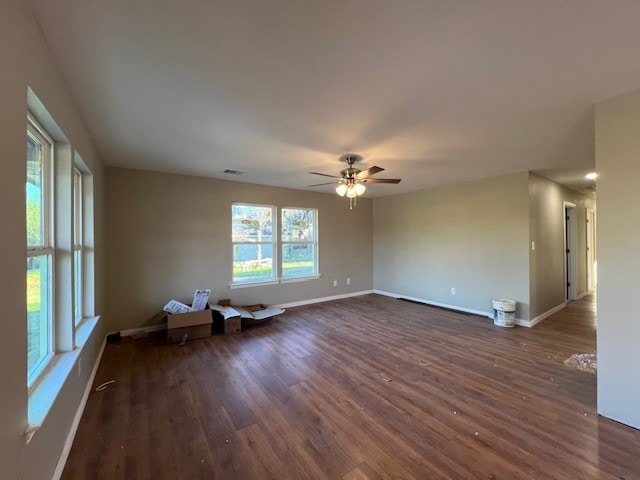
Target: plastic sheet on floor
(583,361)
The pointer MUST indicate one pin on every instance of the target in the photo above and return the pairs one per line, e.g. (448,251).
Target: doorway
(570,247)
(592,266)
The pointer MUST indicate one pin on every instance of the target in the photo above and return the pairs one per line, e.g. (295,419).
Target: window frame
(277,243)
(273,243)
(46,248)
(313,242)
(78,245)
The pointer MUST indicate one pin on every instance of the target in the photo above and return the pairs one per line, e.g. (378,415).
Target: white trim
(582,295)
(253,284)
(133,331)
(436,304)
(523,323)
(590,253)
(299,279)
(45,391)
(323,299)
(274,282)
(519,321)
(84,329)
(62,460)
(542,316)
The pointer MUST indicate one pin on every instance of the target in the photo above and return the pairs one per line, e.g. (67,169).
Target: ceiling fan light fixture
(351,181)
(341,189)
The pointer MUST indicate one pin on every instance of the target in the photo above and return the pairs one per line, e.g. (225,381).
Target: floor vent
(234,172)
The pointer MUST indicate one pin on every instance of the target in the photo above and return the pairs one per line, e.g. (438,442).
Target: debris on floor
(583,361)
(103,386)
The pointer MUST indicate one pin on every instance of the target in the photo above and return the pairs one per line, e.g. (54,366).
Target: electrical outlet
(533,246)
(335,283)
(453,291)
(80,367)
(348,281)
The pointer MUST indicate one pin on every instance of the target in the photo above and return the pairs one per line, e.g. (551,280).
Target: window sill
(253,284)
(272,282)
(44,393)
(299,279)
(84,329)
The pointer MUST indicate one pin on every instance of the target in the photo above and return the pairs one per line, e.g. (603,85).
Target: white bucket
(504,312)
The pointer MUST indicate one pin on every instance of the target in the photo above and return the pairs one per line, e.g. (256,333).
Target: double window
(58,209)
(267,250)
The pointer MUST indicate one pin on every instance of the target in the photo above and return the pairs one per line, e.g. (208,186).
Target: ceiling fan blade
(319,184)
(324,175)
(381,180)
(369,171)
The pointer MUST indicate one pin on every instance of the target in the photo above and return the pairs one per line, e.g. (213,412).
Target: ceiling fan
(351,180)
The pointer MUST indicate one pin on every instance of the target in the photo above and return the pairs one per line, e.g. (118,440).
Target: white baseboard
(582,295)
(57,473)
(436,304)
(523,323)
(323,299)
(519,321)
(134,331)
(548,313)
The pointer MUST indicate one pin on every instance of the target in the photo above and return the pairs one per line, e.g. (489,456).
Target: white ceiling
(434,91)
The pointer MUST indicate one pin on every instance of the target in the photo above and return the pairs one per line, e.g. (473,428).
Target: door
(570,265)
(591,250)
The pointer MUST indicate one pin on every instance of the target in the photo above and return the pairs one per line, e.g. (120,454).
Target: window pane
(298,224)
(298,260)
(38,327)
(251,223)
(77,285)
(77,207)
(35,193)
(253,262)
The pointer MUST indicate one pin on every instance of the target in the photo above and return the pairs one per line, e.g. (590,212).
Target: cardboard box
(258,312)
(232,319)
(188,326)
(232,325)
(229,319)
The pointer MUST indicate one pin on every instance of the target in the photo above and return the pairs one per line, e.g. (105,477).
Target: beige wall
(472,236)
(168,235)
(25,60)
(546,227)
(618,164)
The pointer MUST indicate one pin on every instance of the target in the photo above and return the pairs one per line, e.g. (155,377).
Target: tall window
(77,246)
(299,242)
(39,194)
(253,236)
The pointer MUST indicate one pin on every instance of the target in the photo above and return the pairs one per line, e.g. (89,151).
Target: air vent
(233,172)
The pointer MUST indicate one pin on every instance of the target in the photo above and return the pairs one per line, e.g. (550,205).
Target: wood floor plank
(362,388)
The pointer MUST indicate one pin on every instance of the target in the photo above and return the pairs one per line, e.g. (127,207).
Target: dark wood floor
(362,388)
